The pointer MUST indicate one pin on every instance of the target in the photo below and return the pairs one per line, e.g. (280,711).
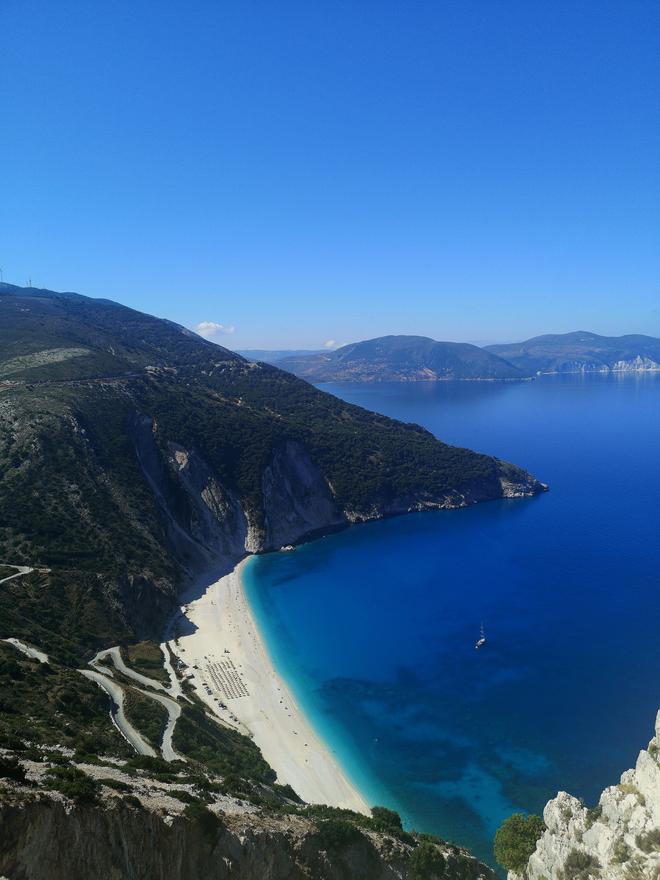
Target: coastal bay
(374,628)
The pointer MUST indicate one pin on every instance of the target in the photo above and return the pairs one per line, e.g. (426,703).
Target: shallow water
(374,628)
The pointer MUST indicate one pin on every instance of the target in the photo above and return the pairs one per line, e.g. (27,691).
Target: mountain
(582,352)
(269,356)
(136,456)
(131,445)
(401,359)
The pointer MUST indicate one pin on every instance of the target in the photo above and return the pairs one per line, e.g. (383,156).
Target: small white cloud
(331,343)
(209,329)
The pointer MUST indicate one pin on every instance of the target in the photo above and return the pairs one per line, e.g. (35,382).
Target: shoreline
(229,665)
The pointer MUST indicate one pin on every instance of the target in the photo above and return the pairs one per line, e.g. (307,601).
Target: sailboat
(481,641)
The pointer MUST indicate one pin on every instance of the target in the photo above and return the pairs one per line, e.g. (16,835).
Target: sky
(295,174)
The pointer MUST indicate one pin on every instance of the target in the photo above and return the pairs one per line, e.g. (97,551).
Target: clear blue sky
(306,171)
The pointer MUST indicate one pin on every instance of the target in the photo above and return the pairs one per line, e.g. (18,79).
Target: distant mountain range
(419,358)
(268,356)
(401,358)
(582,352)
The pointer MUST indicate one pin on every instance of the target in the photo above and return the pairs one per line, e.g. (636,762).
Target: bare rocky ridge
(619,839)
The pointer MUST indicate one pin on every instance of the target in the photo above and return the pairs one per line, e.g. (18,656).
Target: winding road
(116,693)
(22,569)
(103,677)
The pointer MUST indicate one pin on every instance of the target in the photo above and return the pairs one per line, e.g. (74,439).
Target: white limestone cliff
(619,839)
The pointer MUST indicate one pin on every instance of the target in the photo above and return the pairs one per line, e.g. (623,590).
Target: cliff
(618,839)
(144,831)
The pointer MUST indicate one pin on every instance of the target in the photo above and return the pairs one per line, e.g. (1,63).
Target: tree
(516,839)
(426,862)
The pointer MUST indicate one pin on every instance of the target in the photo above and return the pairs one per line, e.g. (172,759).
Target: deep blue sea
(374,627)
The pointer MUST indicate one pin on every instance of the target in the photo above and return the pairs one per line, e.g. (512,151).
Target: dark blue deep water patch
(374,628)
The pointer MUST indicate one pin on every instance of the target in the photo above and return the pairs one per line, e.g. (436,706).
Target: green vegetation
(426,862)
(649,841)
(386,818)
(68,614)
(53,705)
(219,749)
(593,815)
(71,489)
(94,395)
(395,358)
(115,784)
(73,783)
(338,833)
(156,767)
(580,865)
(621,852)
(11,769)
(146,715)
(147,658)
(516,839)
(209,822)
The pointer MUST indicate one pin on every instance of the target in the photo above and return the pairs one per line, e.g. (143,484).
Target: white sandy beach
(234,668)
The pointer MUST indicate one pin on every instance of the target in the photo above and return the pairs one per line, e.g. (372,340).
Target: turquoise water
(374,627)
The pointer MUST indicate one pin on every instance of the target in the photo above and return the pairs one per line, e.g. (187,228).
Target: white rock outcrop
(619,839)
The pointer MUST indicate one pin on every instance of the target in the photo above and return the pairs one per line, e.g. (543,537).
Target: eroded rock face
(296,498)
(59,840)
(207,522)
(619,839)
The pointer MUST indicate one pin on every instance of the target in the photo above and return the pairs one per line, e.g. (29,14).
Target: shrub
(650,841)
(115,784)
(184,796)
(73,783)
(386,819)
(593,815)
(152,765)
(208,821)
(11,769)
(580,865)
(338,833)
(621,852)
(287,792)
(426,862)
(515,840)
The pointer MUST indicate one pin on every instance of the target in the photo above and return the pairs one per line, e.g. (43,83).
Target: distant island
(582,352)
(402,359)
(274,356)
(421,359)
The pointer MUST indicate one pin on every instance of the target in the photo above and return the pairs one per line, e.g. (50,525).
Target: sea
(374,628)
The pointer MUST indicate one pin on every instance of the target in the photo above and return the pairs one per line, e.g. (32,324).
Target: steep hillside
(401,359)
(582,352)
(135,456)
(133,453)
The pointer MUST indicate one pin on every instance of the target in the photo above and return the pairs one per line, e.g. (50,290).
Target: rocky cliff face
(619,839)
(47,835)
(207,522)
